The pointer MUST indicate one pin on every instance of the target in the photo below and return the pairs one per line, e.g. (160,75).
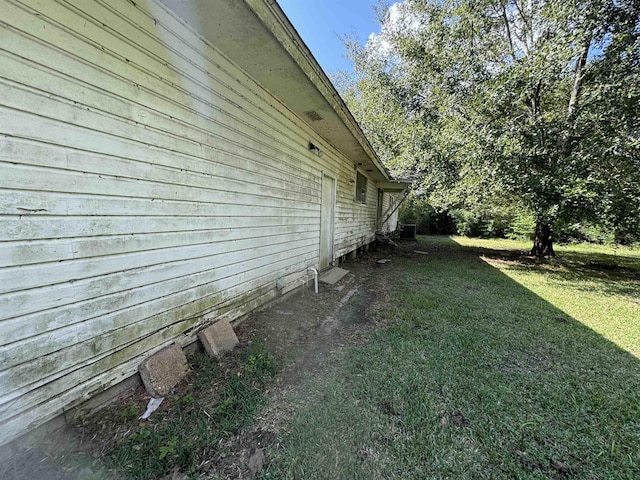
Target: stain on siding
(147,187)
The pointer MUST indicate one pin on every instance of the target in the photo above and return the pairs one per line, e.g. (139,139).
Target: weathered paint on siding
(146,185)
(390,212)
(392,223)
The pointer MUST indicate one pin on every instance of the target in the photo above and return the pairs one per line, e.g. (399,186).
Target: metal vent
(313,115)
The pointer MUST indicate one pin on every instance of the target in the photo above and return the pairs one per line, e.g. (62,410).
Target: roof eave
(275,19)
(257,36)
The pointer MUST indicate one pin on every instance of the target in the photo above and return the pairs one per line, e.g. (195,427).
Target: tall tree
(534,100)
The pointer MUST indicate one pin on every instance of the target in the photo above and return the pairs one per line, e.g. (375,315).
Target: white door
(326,220)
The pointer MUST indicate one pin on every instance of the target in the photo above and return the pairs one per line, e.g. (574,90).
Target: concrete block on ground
(333,276)
(219,338)
(163,370)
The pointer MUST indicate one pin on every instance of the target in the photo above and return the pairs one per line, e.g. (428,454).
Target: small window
(361,188)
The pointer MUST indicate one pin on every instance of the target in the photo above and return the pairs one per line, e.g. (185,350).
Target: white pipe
(315,277)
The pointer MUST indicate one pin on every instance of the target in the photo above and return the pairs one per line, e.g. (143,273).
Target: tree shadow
(612,274)
(563,399)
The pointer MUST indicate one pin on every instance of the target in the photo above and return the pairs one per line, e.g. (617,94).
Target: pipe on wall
(315,277)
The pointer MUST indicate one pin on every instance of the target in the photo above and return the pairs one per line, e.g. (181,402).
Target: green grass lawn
(491,366)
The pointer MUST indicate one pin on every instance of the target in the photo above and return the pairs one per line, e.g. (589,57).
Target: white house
(162,165)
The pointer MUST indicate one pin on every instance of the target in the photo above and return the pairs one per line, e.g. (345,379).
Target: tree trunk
(578,78)
(542,243)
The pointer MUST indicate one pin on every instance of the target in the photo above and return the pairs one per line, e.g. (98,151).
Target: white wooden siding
(389,212)
(146,185)
(392,223)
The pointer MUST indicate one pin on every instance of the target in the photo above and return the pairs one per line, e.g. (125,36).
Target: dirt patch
(304,331)
(301,331)
(242,456)
(530,360)
(528,463)
(553,468)
(458,419)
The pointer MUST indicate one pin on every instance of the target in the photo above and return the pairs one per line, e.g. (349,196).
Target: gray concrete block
(163,370)
(333,276)
(218,338)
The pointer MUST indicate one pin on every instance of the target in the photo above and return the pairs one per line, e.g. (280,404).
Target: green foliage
(261,363)
(416,210)
(521,226)
(152,451)
(538,101)
(142,435)
(239,401)
(495,218)
(168,448)
(471,223)
(197,421)
(500,220)
(129,411)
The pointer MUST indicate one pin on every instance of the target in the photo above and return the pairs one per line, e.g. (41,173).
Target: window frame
(361,186)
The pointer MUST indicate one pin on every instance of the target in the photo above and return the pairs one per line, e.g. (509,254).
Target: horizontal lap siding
(355,222)
(389,212)
(392,222)
(146,185)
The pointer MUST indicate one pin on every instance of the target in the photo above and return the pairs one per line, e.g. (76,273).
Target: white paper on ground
(153,405)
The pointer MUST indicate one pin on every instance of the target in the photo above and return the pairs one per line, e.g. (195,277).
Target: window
(380,202)
(361,188)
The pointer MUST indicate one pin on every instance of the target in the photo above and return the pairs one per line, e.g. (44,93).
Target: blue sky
(321,23)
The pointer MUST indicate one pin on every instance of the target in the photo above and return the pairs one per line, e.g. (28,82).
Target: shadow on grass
(475,376)
(613,274)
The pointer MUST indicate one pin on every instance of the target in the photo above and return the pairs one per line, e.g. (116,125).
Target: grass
(491,366)
(183,436)
(192,432)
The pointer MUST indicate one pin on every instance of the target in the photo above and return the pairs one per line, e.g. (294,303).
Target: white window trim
(363,201)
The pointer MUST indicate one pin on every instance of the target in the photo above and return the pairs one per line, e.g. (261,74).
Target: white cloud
(400,18)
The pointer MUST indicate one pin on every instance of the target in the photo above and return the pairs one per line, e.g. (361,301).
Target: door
(326,220)
(379,212)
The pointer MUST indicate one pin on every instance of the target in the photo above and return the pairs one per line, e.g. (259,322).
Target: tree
(533,100)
